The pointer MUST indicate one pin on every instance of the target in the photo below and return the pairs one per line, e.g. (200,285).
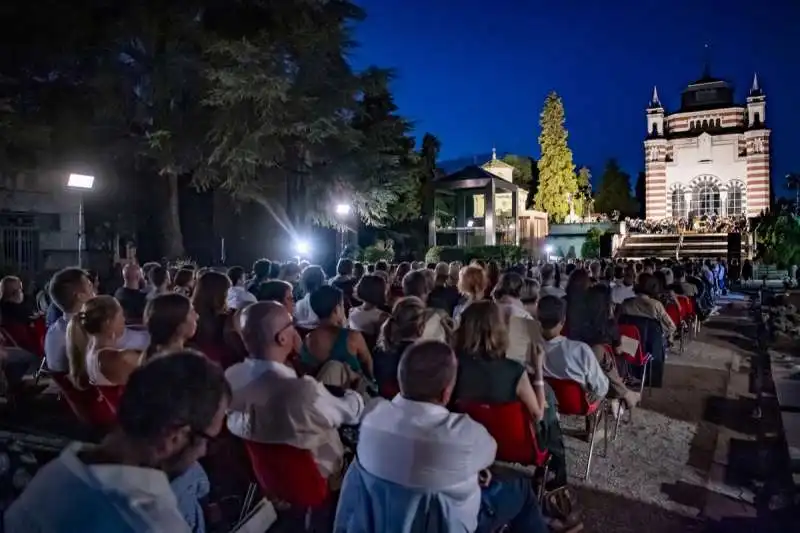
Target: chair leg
(644,376)
(42,369)
(543,484)
(596,423)
(249,497)
(619,417)
(650,376)
(605,427)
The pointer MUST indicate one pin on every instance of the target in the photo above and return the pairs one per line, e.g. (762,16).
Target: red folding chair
(640,358)
(25,336)
(512,428)
(111,394)
(573,400)
(88,404)
(674,312)
(289,475)
(688,311)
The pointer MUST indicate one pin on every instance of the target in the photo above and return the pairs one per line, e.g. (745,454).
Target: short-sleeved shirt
(487,380)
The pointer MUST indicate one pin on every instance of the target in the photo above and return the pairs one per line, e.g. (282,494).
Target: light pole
(342,212)
(80,182)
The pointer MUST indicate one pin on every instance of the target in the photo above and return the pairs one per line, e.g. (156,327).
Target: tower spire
(655,100)
(755,88)
(494,153)
(707,62)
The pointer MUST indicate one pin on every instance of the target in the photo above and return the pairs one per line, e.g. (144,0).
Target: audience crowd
(384,398)
(698,224)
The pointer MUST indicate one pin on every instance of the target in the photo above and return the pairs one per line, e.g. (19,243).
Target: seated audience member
(158,281)
(238,296)
(369,316)
(665,293)
(566,358)
(171,321)
(472,285)
(550,285)
(593,324)
(623,286)
(344,280)
(404,327)
(216,334)
(523,332)
(170,410)
(530,295)
(271,404)
(69,290)
(336,355)
(444,296)
(681,286)
(24,343)
(131,296)
(277,291)
(413,444)
(646,304)
(183,282)
(261,271)
(311,279)
(438,325)
(12,302)
(92,345)
(396,285)
(508,293)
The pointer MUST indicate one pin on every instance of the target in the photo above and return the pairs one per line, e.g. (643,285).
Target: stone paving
(656,474)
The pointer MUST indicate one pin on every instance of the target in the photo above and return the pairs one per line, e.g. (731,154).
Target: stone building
(711,156)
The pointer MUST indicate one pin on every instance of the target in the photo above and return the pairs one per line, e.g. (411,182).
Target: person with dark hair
(277,291)
(370,315)
(332,342)
(344,280)
(438,325)
(183,282)
(238,296)
(272,404)
(382,265)
(681,285)
(130,296)
(261,273)
(358,270)
(158,280)
(69,290)
(312,278)
(414,444)
(171,321)
(623,289)
(646,304)
(170,410)
(550,286)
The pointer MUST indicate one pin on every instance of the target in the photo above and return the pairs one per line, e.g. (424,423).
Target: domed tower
(758,161)
(655,160)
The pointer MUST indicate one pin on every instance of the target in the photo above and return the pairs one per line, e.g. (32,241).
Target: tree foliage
(640,193)
(614,192)
(778,238)
(590,249)
(526,175)
(583,200)
(557,177)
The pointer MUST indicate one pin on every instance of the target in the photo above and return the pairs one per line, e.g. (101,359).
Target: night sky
(476,72)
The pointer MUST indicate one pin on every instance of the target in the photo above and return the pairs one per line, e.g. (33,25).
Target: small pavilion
(489,208)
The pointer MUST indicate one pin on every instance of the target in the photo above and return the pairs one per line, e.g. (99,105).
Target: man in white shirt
(170,409)
(238,295)
(566,358)
(271,404)
(69,290)
(416,442)
(623,288)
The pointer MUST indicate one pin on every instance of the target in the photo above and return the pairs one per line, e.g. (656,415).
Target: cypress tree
(556,169)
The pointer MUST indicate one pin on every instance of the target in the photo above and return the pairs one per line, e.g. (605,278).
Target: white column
(687,196)
(723,202)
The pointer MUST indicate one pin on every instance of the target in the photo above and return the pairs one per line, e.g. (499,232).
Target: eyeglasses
(284,328)
(200,434)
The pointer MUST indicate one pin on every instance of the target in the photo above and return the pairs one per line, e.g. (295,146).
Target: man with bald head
(130,296)
(414,441)
(271,404)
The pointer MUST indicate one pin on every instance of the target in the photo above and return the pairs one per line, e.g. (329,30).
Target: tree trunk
(173,236)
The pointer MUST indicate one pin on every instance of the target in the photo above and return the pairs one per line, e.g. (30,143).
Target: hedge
(501,252)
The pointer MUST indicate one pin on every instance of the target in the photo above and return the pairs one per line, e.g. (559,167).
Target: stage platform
(638,246)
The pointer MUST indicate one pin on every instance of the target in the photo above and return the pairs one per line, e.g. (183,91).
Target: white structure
(503,206)
(711,157)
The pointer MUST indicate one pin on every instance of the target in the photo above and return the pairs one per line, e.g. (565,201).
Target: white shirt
(304,316)
(55,343)
(369,321)
(93,371)
(143,500)
(424,446)
(570,359)
(239,298)
(621,292)
(513,307)
(346,410)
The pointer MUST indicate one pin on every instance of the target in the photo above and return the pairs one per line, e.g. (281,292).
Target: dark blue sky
(476,72)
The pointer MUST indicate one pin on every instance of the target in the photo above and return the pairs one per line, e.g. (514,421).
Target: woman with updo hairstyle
(472,284)
(171,321)
(401,329)
(92,337)
(216,334)
(369,316)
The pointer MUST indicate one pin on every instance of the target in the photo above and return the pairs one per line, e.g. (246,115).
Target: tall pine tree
(614,192)
(583,201)
(556,170)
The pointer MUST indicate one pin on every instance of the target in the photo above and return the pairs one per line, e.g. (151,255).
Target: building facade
(710,157)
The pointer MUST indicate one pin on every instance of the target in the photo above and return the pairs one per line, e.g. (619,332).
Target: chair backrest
(686,305)
(629,330)
(572,398)
(511,426)
(25,336)
(674,313)
(111,394)
(87,404)
(389,390)
(287,473)
(219,353)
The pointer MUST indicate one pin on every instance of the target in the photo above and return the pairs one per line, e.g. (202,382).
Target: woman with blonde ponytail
(401,329)
(92,338)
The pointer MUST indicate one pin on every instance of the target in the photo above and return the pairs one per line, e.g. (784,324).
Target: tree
(614,192)
(557,177)
(583,200)
(641,193)
(526,175)
(590,248)
(793,182)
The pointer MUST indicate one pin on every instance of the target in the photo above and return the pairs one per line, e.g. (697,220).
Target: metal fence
(19,249)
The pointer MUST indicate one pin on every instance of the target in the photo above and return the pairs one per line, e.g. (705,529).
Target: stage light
(343,209)
(80,181)
(470,223)
(302,247)
(548,248)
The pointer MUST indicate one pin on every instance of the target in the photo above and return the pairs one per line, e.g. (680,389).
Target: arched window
(705,199)
(719,123)
(757,118)
(705,123)
(735,207)
(678,204)
(654,130)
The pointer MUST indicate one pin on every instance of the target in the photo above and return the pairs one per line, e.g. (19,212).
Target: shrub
(380,250)
(501,252)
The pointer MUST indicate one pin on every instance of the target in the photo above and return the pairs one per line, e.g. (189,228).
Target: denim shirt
(369,504)
(189,488)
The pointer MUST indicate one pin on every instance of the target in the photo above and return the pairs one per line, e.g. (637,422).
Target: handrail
(678,247)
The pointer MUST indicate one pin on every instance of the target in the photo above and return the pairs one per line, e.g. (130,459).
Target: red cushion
(511,426)
(674,313)
(112,394)
(629,330)
(87,404)
(287,473)
(572,399)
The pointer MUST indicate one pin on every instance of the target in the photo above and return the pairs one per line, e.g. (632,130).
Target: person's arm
(117,365)
(529,397)
(667,324)
(346,410)
(596,379)
(358,345)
